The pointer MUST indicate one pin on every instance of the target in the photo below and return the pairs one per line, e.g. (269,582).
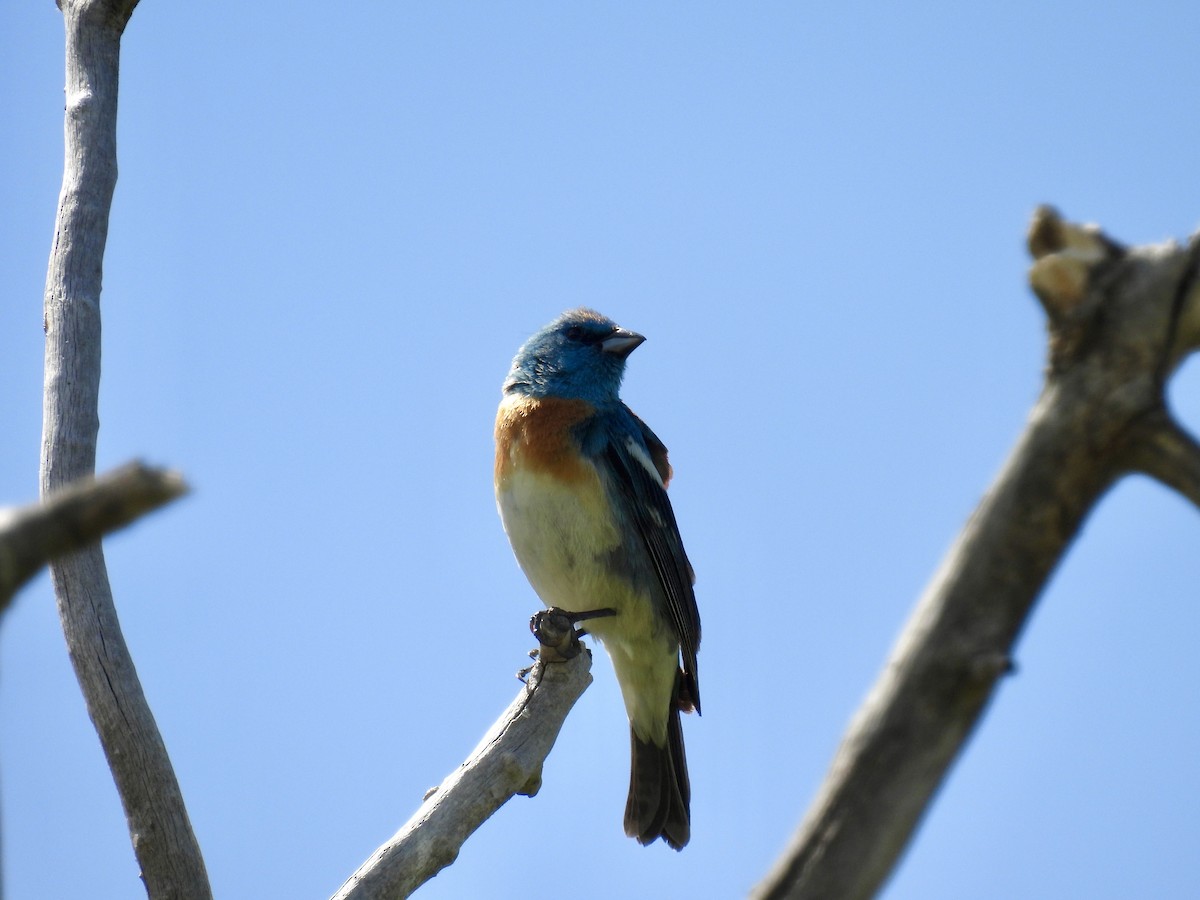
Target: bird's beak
(621,342)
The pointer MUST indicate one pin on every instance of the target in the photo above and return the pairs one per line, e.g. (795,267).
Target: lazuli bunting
(581,487)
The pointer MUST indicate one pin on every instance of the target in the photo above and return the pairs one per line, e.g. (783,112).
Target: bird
(581,487)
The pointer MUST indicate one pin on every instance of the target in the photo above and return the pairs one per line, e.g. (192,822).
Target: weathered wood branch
(158,823)
(1165,451)
(506,762)
(1120,321)
(78,515)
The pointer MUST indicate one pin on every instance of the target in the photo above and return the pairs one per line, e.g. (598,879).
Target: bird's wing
(635,463)
(656,448)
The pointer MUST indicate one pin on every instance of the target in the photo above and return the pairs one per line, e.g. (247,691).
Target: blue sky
(331,232)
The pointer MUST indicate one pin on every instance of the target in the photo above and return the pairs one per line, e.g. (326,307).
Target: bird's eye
(574,333)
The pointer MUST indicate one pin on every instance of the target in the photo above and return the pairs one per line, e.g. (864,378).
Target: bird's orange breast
(535,435)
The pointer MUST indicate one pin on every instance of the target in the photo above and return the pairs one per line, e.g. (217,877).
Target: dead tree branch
(1120,321)
(30,536)
(507,761)
(158,823)
(1166,452)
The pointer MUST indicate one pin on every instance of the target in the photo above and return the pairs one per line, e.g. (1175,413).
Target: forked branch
(1120,320)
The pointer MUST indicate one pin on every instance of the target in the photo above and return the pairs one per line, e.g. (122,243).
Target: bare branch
(158,823)
(77,516)
(1186,319)
(1112,317)
(1165,451)
(507,761)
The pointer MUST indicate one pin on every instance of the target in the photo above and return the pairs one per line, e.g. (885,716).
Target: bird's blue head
(581,354)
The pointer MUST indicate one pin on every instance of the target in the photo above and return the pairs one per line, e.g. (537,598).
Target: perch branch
(507,761)
(76,516)
(1112,316)
(162,836)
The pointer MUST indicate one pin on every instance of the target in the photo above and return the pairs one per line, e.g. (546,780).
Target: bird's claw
(556,632)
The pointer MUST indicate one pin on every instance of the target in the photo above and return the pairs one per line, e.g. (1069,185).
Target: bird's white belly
(564,537)
(560,534)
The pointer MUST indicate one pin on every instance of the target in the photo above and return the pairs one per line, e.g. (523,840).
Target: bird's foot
(556,632)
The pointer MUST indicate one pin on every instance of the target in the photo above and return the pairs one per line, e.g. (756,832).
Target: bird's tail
(659,791)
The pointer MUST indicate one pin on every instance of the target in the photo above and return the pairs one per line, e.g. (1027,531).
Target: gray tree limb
(507,761)
(1166,452)
(1120,320)
(78,515)
(166,848)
